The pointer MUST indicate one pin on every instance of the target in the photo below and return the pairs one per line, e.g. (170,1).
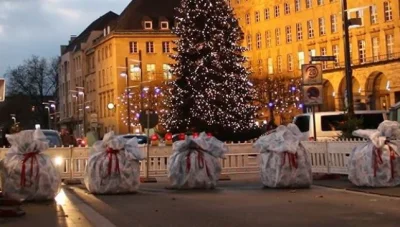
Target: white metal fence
(326,157)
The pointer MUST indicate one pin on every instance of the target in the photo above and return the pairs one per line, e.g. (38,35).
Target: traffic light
(2,89)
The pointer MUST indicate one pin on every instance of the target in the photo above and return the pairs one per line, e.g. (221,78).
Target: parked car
(327,123)
(53,137)
(141,138)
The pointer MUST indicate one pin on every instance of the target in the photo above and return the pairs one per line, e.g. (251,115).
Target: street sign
(148,118)
(313,95)
(93,118)
(312,74)
(323,58)
(2,89)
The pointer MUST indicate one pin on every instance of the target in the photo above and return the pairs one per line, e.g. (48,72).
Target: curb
(90,214)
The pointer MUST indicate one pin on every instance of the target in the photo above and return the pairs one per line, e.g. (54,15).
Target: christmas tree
(212,91)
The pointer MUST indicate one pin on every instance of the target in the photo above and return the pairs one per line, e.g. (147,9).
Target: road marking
(90,214)
(358,192)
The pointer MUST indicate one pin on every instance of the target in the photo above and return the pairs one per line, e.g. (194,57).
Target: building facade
(111,68)
(282,35)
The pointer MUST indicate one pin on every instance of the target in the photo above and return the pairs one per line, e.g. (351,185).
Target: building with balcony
(281,35)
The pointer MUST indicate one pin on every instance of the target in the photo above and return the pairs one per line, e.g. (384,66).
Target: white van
(327,123)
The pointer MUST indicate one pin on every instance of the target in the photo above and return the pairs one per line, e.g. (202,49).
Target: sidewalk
(344,183)
(59,213)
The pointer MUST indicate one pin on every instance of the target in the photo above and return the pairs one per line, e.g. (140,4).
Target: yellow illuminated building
(104,47)
(281,35)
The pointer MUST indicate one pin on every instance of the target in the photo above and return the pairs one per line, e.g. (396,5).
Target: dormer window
(148,25)
(164,25)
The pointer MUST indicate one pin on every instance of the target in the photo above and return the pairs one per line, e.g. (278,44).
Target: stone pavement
(243,203)
(60,213)
(343,183)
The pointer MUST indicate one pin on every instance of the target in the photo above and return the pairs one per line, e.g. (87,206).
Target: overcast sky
(39,27)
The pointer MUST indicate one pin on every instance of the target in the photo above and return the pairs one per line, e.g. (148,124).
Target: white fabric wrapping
(27,173)
(377,162)
(284,162)
(113,166)
(195,162)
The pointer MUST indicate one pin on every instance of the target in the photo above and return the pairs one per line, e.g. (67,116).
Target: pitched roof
(96,25)
(138,10)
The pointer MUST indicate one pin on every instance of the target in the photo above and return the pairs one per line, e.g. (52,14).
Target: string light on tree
(212,90)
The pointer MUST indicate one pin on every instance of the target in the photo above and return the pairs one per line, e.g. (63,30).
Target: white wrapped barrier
(329,157)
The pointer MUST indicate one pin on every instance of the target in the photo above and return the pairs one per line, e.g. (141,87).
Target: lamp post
(347,58)
(48,105)
(126,75)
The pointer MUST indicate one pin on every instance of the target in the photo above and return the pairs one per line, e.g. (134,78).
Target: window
(268,39)
(324,53)
(248,42)
(320,2)
(279,64)
(259,67)
(310,29)
(311,53)
(148,25)
(278,36)
(308,4)
(109,47)
(388,11)
(167,72)
(106,51)
(257,16)
(133,47)
(389,46)
(351,53)
(266,14)
(164,25)
(276,11)
(297,5)
(286,7)
(288,30)
(258,40)
(270,66)
(150,47)
(303,123)
(134,73)
(150,70)
(333,23)
(290,62)
(335,52)
(299,31)
(360,14)
(321,22)
(165,46)
(247,18)
(373,14)
(375,48)
(300,57)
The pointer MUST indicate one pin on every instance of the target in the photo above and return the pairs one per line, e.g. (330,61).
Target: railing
(330,157)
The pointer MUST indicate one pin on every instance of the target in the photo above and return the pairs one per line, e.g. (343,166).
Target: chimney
(73,37)
(63,48)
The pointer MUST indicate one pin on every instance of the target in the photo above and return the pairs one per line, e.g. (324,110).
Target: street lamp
(348,71)
(48,105)
(126,75)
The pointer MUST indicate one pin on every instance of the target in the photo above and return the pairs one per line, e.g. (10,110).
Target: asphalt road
(244,203)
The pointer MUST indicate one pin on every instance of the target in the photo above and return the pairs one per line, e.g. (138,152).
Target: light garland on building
(152,99)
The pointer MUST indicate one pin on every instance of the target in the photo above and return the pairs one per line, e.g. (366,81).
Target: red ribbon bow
(377,158)
(110,153)
(292,159)
(200,159)
(27,156)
